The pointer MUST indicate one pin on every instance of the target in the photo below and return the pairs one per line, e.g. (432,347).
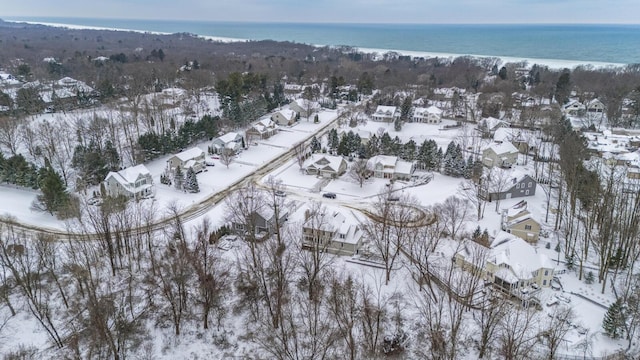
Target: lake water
(619,44)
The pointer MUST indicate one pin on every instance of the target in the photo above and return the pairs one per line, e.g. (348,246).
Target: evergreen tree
(54,194)
(397,124)
(405,108)
(178,178)
(373,147)
(334,141)
(343,146)
(191,182)
(409,151)
(563,87)
(476,233)
(315,145)
(468,168)
(449,160)
(613,322)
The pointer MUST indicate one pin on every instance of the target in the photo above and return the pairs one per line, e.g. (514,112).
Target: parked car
(280,193)
(563,298)
(329,195)
(552,301)
(393,198)
(209,162)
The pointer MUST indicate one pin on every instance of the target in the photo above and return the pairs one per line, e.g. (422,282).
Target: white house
(501,155)
(511,263)
(230,140)
(304,107)
(191,158)
(133,182)
(386,114)
(327,166)
(390,167)
(332,232)
(430,115)
(284,117)
(595,106)
(574,108)
(262,129)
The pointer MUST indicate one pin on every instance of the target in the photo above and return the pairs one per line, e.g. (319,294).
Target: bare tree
(213,274)
(343,303)
(359,171)
(454,212)
(389,227)
(315,260)
(556,328)
(9,133)
(301,152)
(517,333)
(227,156)
(498,180)
(488,318)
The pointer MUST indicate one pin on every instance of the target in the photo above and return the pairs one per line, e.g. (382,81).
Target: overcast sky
(351,11)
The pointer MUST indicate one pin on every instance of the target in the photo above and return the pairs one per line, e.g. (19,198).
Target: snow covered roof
(228,137)
(385,110)
(404,167)
(287,114)
(322,161)
(520,257)
(503,134)
(127,177)
(503,148)
(434,110)
(493,123)
(190,154)
(100,59)
(344,225)
(384,160)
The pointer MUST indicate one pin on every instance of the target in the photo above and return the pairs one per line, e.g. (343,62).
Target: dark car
(329,195)
(280,193)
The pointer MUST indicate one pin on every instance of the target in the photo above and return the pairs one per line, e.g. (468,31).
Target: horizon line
(24,18)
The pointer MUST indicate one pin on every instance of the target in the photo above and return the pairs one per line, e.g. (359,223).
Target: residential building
(488,126)
(284,117)
(263,222)
(518,221)
(510,263)
(192,158)
(430,115)
(326,166)
(595,106)
(502,155)
(574,108)
(331,231)
(390,167)
(133,182)
(386,114)
(304,107)
(521,186)
(263,129)
(230,140)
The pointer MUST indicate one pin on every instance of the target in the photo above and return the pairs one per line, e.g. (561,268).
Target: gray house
(263,222)
(524,186)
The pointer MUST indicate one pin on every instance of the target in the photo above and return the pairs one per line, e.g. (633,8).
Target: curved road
(201,207)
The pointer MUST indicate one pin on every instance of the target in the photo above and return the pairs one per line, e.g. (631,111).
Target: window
(544,282)
(526,192)
(518,186)
(527,227)
(343,236)
(546,272)
(530,184)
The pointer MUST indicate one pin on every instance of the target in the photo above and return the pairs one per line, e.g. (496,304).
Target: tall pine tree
(191,182)
(178,178)
(54,194)
(613,322)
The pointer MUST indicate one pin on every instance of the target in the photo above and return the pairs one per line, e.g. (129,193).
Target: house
(430,115)
(263,221)
(517,220)
(386,114)
(263,129)
(573,108)
(332,231)
(503,155)
(284,117)
(519,187)
(488,126)
(133,182)
(390,167)
(232,140)
(326,166)
(191,158)
(510,263)
(304,107)
(595,106)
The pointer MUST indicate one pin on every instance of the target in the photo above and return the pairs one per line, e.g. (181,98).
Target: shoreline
(550,63)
